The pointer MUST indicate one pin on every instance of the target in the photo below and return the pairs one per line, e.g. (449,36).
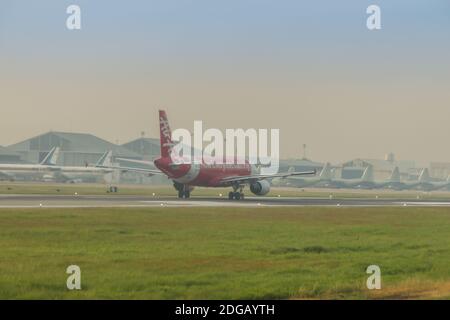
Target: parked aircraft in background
(84,173)
(425,183)
(48,170)
(325,175)
(395,182)
(391,183)
(9,171)
(440,185)
(367,181)
(366,178)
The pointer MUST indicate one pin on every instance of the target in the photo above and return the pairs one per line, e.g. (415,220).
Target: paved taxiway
(80,201)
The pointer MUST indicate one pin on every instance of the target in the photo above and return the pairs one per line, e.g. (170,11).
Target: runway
(105,201)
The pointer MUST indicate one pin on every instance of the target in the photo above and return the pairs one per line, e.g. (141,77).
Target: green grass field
(238,253)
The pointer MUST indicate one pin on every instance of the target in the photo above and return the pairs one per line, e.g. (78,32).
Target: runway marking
(64,201)
(256,205)
(428,204)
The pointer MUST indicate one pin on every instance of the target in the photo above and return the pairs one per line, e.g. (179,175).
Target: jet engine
(260,188)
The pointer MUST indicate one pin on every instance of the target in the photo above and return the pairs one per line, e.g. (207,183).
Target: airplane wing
(150,172)
(257,177)
(136,161)
(141,170)
(105,163)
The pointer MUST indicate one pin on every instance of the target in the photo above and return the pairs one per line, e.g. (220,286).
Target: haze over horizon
(313,70)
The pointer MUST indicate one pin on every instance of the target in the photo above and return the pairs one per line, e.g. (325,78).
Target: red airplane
(187,176)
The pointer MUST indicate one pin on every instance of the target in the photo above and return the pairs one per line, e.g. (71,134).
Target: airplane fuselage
(26,167)
(202,175)
(45,168)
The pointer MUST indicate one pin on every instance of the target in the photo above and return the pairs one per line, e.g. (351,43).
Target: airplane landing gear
(236,195)
(184,192)
(112,189)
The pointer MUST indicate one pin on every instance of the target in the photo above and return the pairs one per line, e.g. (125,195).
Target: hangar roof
(72,142)
(404,166)
(144,146)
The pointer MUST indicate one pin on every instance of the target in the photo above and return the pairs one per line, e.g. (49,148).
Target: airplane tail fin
(395,176)
(105,160)
(424,175)
(165,134)
(51,158)
(326,173)
(368,174)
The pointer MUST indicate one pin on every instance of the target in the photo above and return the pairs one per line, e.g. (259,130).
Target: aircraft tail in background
(448,178)
(368,174)
(51,158)
(424,175)
(326,173)
(105,160)
(395,176)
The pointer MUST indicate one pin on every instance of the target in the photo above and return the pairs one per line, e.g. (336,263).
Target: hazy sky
(310,68)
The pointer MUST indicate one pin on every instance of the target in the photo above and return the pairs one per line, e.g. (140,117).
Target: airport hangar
(79,149)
